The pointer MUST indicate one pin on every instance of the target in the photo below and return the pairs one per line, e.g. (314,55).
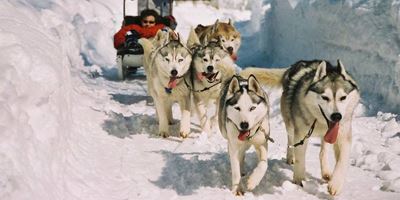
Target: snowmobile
(128,61)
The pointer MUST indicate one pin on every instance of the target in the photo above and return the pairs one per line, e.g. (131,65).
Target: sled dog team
(318,99)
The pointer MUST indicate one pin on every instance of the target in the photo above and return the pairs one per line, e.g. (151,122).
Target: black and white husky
(243,116)
(318,99)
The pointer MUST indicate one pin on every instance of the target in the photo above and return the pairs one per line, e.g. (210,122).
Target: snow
(70,130)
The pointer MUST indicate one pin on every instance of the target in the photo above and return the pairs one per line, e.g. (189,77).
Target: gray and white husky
(243,117)
(211,66)
(166,62)
(318,99)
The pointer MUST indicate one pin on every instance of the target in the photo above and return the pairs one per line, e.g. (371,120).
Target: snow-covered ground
(70,130)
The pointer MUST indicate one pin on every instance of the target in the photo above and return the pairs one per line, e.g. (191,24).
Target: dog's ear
(254,85)
(230,22)
(205,41)
(199,28)
(233,85)
(174,36)
(215,27)
(193,40)
(161,38)
(343,72)
(341,69)
(321,71)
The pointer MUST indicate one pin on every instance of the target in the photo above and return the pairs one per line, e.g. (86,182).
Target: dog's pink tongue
(200,75)
(332,133)
(243,135)
(172,82)
(234,57)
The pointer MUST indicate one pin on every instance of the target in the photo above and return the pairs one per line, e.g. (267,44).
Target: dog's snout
(174,72)
(210,68)
(230,50)
(244,125)
(336,117)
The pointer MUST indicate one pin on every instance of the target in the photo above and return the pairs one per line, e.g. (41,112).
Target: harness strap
(202,90)
(267,135)
(310,131)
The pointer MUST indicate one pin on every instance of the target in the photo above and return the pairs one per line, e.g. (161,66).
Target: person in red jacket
(128,35)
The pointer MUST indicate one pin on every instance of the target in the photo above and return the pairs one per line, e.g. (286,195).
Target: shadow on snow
(185,176)
(187,172)
(124,126)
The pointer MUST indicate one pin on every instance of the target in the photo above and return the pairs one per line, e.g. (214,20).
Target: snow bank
(35,103)
(42,48)
(363,34)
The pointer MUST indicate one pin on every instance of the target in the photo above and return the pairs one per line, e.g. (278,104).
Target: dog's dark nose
(230,50)
(336,117)
(210,68)
(244,125)
(174,72)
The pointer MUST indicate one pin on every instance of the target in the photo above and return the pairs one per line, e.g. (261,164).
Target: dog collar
(259,129)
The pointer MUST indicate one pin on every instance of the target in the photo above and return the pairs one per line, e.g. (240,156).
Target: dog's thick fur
(211,66)
(243,117)
(226,33)
(166,63)
(315,92)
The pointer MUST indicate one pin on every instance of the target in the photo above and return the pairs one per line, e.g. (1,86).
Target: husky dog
(166,63)
(318,99)
(224,32)
(243,117)
(211,66)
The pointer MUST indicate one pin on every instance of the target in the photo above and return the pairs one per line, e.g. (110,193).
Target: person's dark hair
(149,12)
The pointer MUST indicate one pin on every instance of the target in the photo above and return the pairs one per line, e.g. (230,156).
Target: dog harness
(310,131)
(204,89)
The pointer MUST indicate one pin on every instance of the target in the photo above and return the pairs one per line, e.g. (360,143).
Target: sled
(129,61)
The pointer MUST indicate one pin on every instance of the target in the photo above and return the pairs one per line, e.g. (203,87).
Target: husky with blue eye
(243,117)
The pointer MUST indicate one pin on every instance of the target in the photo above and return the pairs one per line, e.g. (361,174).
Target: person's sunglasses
(148,22)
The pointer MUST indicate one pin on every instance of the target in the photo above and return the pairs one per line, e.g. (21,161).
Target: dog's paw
(238,193)
(326,176)
(183,134)
(251,184)
(164,134)
(298,182)
(290,161)
(237,190)
(335,186)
